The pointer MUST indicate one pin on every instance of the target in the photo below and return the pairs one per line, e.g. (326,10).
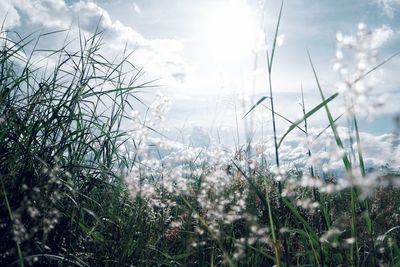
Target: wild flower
(279,173)
(308,204)
(357,89)
(331,237)
(160,106)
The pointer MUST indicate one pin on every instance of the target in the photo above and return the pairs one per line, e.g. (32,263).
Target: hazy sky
(203,51)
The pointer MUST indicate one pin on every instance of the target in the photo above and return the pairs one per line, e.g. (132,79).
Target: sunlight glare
(230,29)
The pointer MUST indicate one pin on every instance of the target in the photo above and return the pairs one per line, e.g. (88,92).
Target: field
(88,179)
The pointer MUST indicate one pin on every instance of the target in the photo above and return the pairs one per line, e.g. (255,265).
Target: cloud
(389,6)
(200,137)
(136,8)
(9,15)
(48,13)
(378,150)
(381,35)
(280,39)
(159,57)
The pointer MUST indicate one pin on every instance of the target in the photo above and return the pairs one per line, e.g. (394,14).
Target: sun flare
(229,29)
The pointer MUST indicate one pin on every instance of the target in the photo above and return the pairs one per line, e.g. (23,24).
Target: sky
(209,56)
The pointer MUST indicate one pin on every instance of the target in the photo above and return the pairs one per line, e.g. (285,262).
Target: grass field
(87,179)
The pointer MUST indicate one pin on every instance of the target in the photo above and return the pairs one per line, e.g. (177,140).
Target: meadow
(87,179)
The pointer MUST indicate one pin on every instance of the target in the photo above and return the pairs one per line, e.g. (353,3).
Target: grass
(87,181)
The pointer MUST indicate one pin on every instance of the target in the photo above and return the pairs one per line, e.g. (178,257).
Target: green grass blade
(256,104)
(271,58)
(332,124)
(307,115)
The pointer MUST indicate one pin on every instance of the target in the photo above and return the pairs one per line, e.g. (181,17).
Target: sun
(230,29)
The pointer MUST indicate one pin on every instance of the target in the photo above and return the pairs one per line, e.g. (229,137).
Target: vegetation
(79,188)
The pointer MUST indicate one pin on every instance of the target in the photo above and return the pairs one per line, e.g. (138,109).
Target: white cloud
(381,35)
(9,14)
(48,13)
(378,150)
(389,6)
(136,8)
(280,39)
(159,57)
(89,15)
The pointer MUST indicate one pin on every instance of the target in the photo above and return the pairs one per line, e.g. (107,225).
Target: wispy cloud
(9,14)
(136,8)
(389,6)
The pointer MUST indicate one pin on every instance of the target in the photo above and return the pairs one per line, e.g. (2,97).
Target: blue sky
(305,25)
(201,51)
